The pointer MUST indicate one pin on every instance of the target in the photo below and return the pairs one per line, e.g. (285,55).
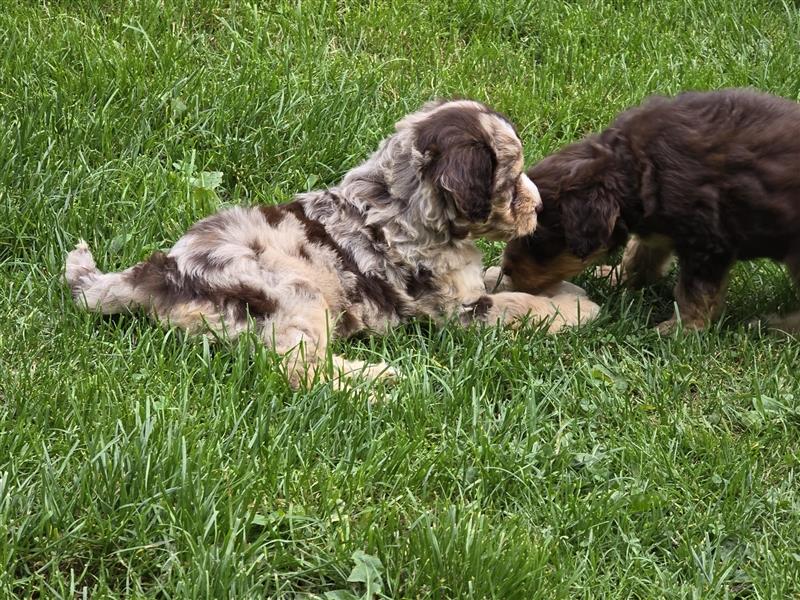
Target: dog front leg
(699,293)
(512,308)
(644,262)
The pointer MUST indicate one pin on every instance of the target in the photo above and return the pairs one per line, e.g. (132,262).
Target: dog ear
(588,218)
(465,173)
(458,160)
(580,177)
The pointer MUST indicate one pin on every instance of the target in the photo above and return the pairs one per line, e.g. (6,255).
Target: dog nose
(539,207)
(533,191)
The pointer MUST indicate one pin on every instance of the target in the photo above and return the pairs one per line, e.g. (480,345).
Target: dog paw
(586,309)
(667,327)
(81,256)
(367,371)
(383,372)
(475,311)
(673,325)
(378,394)
(78,264)
(466,316)
(572,310)
(784,326)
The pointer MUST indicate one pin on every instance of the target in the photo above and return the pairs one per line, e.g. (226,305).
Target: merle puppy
(711,177)
(395,239)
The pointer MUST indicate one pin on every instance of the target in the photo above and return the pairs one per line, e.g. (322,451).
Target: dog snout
(533,191)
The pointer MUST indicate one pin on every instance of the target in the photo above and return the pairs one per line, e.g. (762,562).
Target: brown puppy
(712,177)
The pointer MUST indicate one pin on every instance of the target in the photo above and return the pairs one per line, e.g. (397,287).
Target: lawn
(606,462)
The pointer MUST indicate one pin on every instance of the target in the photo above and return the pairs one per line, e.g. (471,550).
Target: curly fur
(393,240)
(711,177)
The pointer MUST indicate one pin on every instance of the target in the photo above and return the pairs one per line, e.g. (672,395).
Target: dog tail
(106,293)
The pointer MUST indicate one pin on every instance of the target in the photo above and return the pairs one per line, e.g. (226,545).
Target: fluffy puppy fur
(393,240)
(711,177)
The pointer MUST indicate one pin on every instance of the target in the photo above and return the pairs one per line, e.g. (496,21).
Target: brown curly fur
(713,177)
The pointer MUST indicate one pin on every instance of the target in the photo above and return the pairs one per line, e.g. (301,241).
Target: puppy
(711,177)
(393,240)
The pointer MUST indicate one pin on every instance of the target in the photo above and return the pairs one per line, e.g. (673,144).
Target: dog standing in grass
(394,240)
(711,177)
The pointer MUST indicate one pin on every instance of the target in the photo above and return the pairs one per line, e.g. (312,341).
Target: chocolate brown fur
(712,177)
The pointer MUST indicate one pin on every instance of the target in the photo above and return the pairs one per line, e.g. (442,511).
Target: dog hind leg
(300,334)
(106,293)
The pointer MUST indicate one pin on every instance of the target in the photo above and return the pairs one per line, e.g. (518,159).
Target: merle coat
(395,239)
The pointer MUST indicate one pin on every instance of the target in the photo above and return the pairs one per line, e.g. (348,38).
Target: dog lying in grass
(710,177)
(393,240)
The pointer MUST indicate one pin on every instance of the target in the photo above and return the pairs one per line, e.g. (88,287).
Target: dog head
(579,221)
(471,158)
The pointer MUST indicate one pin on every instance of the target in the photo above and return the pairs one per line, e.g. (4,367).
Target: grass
(602,463)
